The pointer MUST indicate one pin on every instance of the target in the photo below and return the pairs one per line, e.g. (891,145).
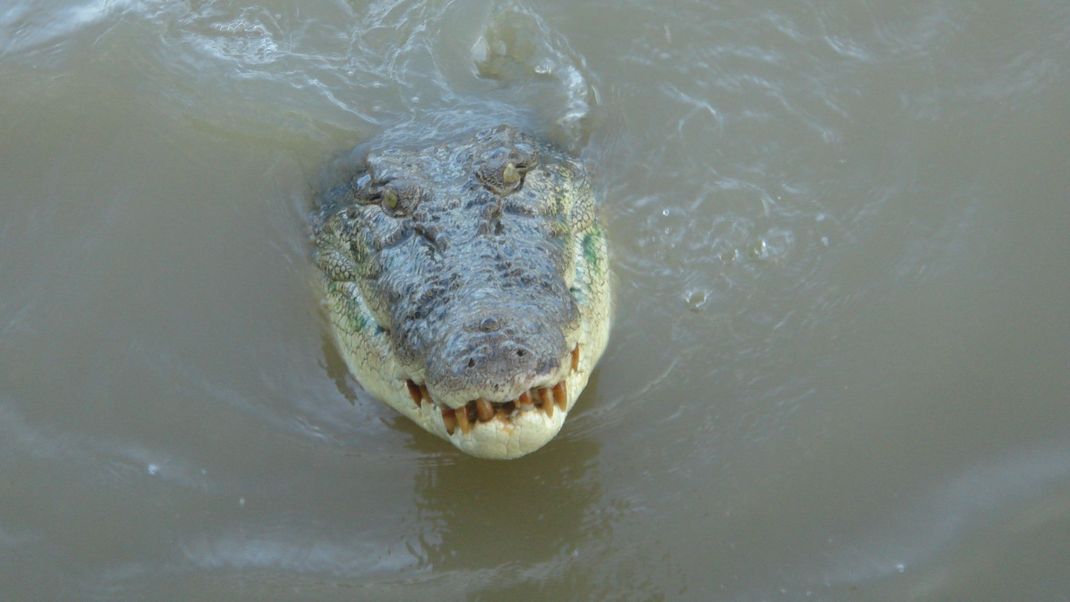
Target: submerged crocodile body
(467,286)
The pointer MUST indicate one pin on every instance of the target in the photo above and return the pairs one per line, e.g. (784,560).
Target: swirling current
(840,359)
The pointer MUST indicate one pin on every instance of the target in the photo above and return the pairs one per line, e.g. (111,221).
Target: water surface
(841,357)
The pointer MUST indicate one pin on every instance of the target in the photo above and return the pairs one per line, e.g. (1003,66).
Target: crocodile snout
(494,357)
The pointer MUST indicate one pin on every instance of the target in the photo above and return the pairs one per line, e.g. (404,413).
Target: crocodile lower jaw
(502,429)
(478,412)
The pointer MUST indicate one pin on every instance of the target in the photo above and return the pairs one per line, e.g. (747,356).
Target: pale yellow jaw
(500,430)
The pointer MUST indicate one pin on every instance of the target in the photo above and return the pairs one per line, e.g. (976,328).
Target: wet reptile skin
(475,268)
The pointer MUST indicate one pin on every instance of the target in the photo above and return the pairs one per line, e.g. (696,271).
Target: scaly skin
(465,279)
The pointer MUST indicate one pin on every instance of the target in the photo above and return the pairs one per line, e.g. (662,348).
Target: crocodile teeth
(484,409)
(560,395)
(547,397)
(576,358)
(480,411)
(449,420)
(462,419)
(414,391)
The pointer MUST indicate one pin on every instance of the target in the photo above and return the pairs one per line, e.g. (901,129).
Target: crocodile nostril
(520,353)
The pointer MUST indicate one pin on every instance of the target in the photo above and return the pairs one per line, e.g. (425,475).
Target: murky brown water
(841,361)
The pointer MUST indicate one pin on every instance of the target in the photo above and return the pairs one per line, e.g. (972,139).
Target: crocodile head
(467,286)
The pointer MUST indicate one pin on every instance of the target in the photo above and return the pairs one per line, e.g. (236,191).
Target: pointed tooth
(560,395)
(576,358)
(545,394)
(414,391)
(449,420)
(484,410)
(461,414)
(524,399)
(547,397)
(501,414)
(424,393)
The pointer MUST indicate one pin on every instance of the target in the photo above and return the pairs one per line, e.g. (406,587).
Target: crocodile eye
(395,203)
(399,198)
(503,170)
(511,174)
(389,199)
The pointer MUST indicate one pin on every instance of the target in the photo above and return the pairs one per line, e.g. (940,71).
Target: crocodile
(467,285)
